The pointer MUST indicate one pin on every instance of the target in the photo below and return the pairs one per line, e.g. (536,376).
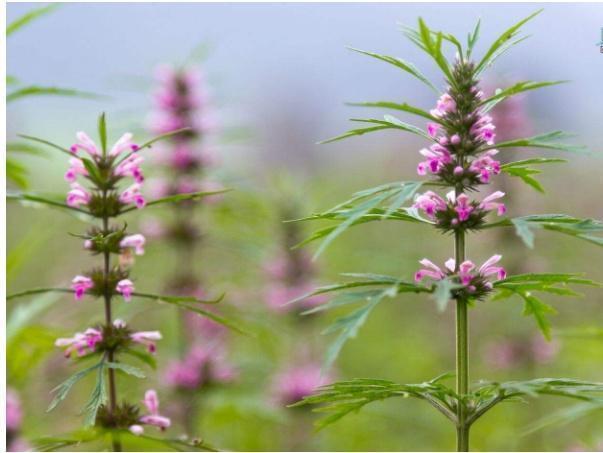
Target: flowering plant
(461,159)
(104,170)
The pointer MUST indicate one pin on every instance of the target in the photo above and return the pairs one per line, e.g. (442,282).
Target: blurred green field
(405,340)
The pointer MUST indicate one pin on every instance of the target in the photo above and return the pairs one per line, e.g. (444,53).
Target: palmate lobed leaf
(522,170)
(377,203)
(373,289)
(524,285)
(341,398)
(561,223)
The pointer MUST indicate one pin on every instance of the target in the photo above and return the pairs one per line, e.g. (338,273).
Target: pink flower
(437,156)
(484,129)
(132,195)
(430,202)
(489,204)
(14,414)
(135,241)
(83,343)
(131,167)
(151,401)
(489,268)
(147,338)
(124,143)
(485,166)
(430,270)
(432,129)
(466,271)
(80,285)
(293,384)
(86,143)
(444,105)
(125,287)
(462,206)
(78,195)
(76,167)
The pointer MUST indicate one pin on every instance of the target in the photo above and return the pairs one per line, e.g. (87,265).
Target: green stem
(462,359)
(108,322)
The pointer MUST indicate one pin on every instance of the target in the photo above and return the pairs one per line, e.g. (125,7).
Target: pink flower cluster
(83,343)
(296,382)
(153,418)
(81,284)
(14,420)
(204,364)
(291,278)
(440,154)
(431,203)
(467,273)
(128,167)
(509,353)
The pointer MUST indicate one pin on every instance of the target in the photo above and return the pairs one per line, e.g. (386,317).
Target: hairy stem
(462,359)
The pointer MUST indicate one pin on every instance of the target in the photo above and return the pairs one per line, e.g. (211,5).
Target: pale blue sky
(283,70)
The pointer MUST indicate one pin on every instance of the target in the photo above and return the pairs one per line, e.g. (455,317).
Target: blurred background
(278,77)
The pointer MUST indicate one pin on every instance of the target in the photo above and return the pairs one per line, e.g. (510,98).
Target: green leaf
(63,389)
(185,303)
(145,357)
(522,228)
(488,394)
(537,308)
(544,141)
(561,223)
(342,398)
(349,324)
(180,197)
(76,438)
(47,143)
(472,39)
(128,369)
(353,216)
(519,87)
(29,17)
(102,132)
(97,398)
(11,80)
(16,173)
(35,90)
(524,285)
(404,65)
(363,207)
(505,38)
(388,122)
(23,314)
(395,106)
(30,292)
(565,416)
(442,292)
(25,148)
(150,143)
(178,299)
